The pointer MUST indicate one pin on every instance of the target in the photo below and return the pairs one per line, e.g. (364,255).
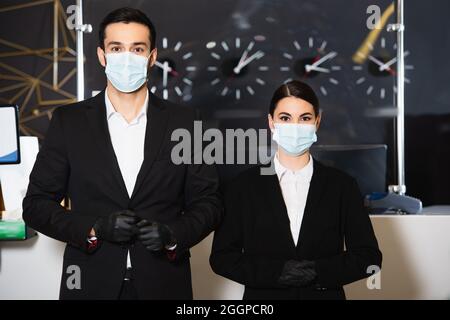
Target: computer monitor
(9,135)
(366,163)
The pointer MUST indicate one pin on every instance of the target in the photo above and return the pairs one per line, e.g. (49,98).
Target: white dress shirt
(294,187)
(128,143)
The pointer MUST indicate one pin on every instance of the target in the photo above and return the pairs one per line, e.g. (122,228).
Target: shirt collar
(110,110)
(306,172)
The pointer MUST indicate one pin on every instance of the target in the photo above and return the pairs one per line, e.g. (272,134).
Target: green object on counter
(12,230)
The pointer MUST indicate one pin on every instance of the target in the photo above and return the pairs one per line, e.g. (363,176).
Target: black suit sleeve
(228,258)
(361,245)
(48,186)
(203,207)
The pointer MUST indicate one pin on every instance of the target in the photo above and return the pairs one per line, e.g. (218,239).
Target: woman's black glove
(298,273)
(119,227)
(155,236)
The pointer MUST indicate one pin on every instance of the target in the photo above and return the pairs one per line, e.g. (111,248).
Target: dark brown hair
(296,89)
(126,15)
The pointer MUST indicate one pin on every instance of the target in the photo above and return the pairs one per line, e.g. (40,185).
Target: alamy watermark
(213,146)
(373,21)
(73,281)
(374,280)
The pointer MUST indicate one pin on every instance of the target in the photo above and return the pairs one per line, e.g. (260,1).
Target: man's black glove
(155,236)
(298,273)
(118,227)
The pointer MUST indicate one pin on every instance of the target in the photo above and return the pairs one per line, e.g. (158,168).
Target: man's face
(127,37)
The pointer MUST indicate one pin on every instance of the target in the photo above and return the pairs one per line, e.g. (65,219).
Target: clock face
(237,67)
(312,61)
(173,71)
(376,77)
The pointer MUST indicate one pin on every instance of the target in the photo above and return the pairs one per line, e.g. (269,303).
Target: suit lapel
(271,192)
(157,117)
(96,115)
(310,215)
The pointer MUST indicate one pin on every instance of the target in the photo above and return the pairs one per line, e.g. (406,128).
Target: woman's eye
(284,118)
(306,118)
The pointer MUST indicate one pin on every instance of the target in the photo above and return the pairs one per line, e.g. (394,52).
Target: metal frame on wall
(38,93)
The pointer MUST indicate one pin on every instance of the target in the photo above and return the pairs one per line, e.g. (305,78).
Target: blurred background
(202,39)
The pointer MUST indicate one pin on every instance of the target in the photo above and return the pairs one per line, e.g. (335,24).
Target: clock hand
(161,65)
(165,72)
(381,64)
(317,69)
(256,55)
(173,72)
(376,61)
(329,56)
(387,65)
(243,57)
(237,69)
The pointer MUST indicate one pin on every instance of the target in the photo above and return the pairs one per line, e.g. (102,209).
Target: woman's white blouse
(294,186)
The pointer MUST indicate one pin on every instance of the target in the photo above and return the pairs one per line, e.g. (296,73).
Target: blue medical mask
(126,71)
(294,139)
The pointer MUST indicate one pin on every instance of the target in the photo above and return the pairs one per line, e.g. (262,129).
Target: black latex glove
(118,227)
(155,236)
(298,273)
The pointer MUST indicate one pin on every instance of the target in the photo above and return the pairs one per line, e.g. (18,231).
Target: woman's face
(294,110)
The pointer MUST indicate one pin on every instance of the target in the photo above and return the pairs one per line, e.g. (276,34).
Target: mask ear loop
(104,56)
(148,68)
(316,122)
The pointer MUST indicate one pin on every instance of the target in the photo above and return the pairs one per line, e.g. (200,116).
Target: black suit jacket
(254,240)
(77,160)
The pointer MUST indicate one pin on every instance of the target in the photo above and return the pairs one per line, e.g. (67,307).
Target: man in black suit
(134,213)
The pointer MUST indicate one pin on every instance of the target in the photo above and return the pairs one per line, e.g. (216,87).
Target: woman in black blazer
(286,224)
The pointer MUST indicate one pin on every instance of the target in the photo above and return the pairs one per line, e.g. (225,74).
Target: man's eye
(115,49)
(139,50)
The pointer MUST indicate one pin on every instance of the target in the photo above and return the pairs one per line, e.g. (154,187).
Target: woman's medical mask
(126,71)
(294,139)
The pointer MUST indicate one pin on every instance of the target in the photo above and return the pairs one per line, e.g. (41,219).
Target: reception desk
(416,257)
(416,263)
